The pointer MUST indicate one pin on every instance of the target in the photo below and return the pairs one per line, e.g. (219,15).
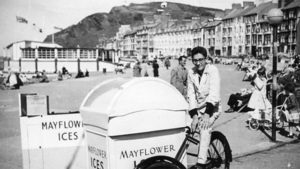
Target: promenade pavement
(67,96)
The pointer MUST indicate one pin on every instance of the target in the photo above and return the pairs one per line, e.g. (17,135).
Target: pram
(260,118)
(263,118)
(238,101)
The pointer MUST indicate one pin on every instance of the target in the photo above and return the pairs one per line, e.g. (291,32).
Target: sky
(45,14)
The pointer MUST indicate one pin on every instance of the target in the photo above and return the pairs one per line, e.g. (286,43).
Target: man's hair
(199,49)
(181,57)
(290,87)
(261,71)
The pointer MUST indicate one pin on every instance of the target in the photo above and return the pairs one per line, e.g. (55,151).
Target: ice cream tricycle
(141,123)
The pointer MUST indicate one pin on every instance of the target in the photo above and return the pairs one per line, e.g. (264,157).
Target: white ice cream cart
(128,120)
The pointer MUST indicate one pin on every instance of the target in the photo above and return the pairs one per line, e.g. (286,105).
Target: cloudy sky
(45,14)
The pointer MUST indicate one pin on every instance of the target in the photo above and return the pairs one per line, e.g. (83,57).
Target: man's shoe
(290,135)
(230,110)
(199,166)
(298,128)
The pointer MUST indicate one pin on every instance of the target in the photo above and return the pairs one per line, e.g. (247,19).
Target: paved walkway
(67,96)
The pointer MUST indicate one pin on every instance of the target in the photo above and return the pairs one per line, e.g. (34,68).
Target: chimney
(236,6)
(248,3)
(283,3)
(227,11)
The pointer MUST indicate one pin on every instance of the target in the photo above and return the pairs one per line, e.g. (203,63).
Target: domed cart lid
(121,96)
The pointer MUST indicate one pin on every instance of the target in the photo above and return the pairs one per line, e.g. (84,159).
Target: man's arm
(173,76)
(191,96)
(214,89)
(191,93)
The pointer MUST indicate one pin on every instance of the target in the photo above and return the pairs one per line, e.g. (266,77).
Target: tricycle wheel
(160,162)
(253,124)
(267,125)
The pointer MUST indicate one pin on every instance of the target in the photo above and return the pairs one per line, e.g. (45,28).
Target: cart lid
(121,96)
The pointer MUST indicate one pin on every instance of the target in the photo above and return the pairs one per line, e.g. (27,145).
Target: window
(267,40)
(248,40)
(66,53)
(45,53)
(28,53)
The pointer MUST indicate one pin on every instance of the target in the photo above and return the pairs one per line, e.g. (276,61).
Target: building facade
(244,30)
(288,28)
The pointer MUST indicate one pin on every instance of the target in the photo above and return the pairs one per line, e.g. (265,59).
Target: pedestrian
(203,92)
(144,71)
(155,67)
(167,62)
(296,61)
(137,69)
(179,76)
(292,108)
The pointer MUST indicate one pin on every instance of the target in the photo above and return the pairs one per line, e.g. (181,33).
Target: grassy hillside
(94,28)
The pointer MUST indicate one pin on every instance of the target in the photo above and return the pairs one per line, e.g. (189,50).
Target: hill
(94,28)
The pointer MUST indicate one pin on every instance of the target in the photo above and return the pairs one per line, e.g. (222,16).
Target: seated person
(237,100)
(64,71)
(44,77)
(87,73)
(79,74)
(23,77)
(244,66)
(37,75)
(13,81)
(59,76)
(250,72)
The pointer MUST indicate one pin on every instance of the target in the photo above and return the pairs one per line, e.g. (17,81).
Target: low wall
(33,65)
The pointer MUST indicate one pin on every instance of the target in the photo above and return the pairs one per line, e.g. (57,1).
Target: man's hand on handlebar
(194,123)
(204,121)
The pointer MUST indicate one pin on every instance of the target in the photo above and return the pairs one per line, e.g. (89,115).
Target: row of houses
(244,30)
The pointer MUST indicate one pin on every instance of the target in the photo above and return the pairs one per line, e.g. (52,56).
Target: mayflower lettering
(97,151)
(54,125)
(125,154)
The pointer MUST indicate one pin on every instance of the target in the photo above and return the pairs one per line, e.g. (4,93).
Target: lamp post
(275,17)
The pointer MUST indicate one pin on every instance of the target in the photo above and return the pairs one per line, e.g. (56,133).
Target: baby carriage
(260,118)
(263,118)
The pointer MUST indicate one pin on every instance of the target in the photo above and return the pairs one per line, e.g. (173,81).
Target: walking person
(137,69)
(167,62)
(203,94)
(144,66)
(179,76)
(155,67)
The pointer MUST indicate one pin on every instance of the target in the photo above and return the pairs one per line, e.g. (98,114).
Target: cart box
(127,120)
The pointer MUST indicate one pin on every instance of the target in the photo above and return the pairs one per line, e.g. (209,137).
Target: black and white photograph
(150,84)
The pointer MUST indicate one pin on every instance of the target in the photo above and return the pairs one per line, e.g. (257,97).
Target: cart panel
(97,153)
(127,151)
